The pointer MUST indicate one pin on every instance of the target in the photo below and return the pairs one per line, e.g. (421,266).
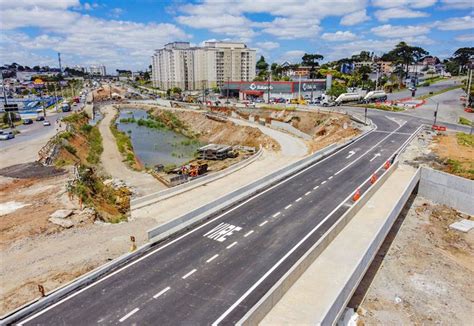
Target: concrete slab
(462,225)
(310,298)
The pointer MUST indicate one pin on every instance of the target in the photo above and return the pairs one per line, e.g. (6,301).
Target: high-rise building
(98,70)
(193,68)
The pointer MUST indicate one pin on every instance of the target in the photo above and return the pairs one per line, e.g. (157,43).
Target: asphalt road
(423,90)
(218,270)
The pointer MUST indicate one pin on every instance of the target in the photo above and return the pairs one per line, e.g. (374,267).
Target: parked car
(6,135)
(46,123)
(27,121)
(39,118)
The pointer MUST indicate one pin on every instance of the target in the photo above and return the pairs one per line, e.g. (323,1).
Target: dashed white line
(330,177)
(128,315)
(248,233)
(276,214)
(316,187)
(298,199)
(161,292)
(324,182)
(212,258)
(288,206)
(231,245)
(306,194)
(263,223)
(189,274)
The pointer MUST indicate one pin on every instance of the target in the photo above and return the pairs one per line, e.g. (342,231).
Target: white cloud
(45,4)
(292,56)
(227,24)
(291,28)
(268,45)
(354,18)
(339,36)
(116,12)
(455,23)
(391,31)
(391,13)
(465,38)
(457,4)
(400,3)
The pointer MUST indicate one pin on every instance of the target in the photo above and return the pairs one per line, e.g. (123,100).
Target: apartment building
(193,68)
(384,67)
(98,70)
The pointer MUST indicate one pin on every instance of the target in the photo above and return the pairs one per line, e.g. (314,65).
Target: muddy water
(156,146)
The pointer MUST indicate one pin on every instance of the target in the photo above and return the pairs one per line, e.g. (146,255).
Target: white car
(6,135)
(46,123)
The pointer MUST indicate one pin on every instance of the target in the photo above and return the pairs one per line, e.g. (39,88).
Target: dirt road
(113,164)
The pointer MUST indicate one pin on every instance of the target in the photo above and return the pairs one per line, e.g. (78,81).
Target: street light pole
(227,100)
(436,114)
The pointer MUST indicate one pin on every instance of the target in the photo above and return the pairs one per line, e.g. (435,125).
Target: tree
(262,65)
(362,56)
(146,75)
(312,61)
(462,56)
(405,54)
(176,90)
(337,89)
(36,68)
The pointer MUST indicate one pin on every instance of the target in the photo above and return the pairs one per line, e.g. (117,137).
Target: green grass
(95,145)
(464,121)
(124,144)
(424,97)
(465,139)
(381,107)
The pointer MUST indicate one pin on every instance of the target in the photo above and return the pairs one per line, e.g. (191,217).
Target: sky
(123,34)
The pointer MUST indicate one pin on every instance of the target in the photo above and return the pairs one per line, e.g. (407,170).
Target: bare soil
(30,170)
(456,158)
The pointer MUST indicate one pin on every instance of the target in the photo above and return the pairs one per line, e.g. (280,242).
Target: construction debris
(462,225)
(61,213)
(215,152)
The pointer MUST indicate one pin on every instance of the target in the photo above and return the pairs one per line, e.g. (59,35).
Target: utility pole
(311,75)
(436,113)
(268,86)
(12,125)
(468,85)
(227,100)
(299,88)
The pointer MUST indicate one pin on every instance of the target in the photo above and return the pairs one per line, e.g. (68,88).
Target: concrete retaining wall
(289,128)
(267,302)
(447,189)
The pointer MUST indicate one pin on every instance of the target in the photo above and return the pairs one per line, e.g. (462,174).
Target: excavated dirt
(455,158)
(30,170)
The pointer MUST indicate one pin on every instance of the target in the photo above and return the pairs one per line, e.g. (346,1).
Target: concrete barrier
(289,128)
(268,301)
(167,193)
(447,189)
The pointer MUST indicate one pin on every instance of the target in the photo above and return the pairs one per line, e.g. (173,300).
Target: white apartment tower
(98,70)
(193,68)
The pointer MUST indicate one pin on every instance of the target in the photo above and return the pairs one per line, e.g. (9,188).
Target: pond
(156,146)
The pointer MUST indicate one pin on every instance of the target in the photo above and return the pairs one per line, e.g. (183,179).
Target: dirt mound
(30,170)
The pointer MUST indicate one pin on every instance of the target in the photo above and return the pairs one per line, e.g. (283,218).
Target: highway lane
(198,279)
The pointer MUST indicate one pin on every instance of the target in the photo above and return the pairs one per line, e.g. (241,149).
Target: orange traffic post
(387,165)
(373,178)
(356,195)
(41,290)
(134,245)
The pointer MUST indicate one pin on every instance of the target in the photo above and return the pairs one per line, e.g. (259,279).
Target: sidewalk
(311,297)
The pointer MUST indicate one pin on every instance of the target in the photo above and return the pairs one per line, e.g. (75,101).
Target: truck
(348,97)
(374,96)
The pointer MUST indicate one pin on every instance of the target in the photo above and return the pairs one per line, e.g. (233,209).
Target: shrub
(70,149)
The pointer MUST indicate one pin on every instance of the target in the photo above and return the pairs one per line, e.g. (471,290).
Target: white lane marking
(190,232)
(370,149)
(324,182)
(231,245)
(255,285)
(375,156)
(128,315)
(248,233)
(316,187)
(264,222)
(222,231)
(161,292)
(350,154)
(212,258)
(276,214)
(189,274)
(330,177)
(288,206)
(298,199)
(306,194)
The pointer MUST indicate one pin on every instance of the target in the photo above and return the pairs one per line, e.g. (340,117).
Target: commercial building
(384,67)
(98,70)
(194,68)
(277,89)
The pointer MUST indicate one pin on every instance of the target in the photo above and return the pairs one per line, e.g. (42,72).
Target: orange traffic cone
(387,165)
(373,178)
(356,195)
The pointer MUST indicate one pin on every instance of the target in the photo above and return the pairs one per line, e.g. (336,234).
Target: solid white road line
(316,187)
(190,273)
(324,182)
(375,156)
(298,199)
(256,284)
(231,245)
(161,292)
(276,214)
(288,206)
(128,315)
(262,224)
(100,280)
(369,150)
(248,233)
(212,258)
(306,194)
